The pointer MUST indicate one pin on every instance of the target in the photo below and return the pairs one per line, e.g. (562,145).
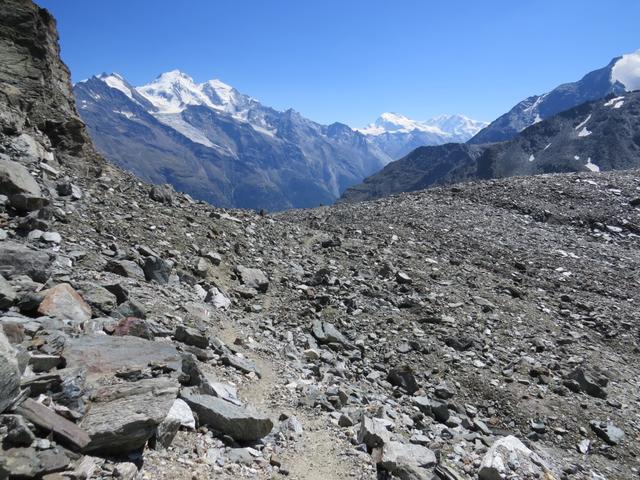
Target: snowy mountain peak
(115,80)
(390,122)
(443,125)
(627,71)
(173,91)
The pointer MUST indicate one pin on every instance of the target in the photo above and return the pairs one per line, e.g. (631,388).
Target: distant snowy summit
(398,135)
(621,75)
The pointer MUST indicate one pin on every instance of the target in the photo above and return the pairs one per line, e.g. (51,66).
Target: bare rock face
(63,302)
(9,373)
(34,83)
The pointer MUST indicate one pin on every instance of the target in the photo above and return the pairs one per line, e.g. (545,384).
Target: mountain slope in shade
(219,145)
(621,75)
(397,135)
(595,136)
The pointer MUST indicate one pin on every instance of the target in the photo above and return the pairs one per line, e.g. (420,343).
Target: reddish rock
(135,327)
(63,302)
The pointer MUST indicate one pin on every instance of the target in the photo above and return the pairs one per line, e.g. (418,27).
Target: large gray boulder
(508,457)
(9,373)
(15,178)
(239,423)
(122,417)
(253,278)
(16,259)
(406,461)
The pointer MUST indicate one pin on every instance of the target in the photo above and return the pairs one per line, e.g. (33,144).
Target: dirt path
(318,454)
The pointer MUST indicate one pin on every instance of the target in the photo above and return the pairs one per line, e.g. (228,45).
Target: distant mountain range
(397,135)
(594,136)
(592,124)
(219,145)
(622,74)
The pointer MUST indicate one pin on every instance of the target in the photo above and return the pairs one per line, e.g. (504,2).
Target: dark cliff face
(35,85)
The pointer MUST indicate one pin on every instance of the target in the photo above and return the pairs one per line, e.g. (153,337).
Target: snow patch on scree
(627,71)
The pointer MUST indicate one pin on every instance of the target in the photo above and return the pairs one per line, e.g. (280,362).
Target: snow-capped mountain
(591,137)
(397,135)
(220,145)
(621,75)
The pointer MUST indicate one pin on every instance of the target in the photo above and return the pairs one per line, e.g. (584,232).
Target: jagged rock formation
(487,330)
(596,136)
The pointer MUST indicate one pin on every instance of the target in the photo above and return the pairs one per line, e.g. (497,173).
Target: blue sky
(350,60)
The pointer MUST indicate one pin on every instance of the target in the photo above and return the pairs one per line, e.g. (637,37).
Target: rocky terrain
(488,330)
(596,136)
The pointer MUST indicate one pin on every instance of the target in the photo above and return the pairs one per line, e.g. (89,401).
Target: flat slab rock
(47,419)
(239,423)
(103,355)
(122,417)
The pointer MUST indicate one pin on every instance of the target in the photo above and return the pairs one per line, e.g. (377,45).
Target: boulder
(16,259)
(32,463)
(587,384)
(125,268)
(373,432)
(63,302)
(15,178)
(45,418)
(403,377)
(122,417)
(608,432)
(18,432)
(7,294)
(156,269)
(239,423)
(508,457)
(133,326)
(9,373)
(162,193)
(405,461)
(191,336)
(253,278)
(180,415)
(99,298)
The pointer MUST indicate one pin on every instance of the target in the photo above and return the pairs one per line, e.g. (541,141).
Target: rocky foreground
(485,331)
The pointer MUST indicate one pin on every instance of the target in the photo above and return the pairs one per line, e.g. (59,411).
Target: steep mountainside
(221,146)
(621,75)
(397,135)
(597,136)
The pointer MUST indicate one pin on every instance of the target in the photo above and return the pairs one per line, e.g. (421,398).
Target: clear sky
(350,60)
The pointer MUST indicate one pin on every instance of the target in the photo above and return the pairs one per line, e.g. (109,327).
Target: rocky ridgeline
(483,331)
